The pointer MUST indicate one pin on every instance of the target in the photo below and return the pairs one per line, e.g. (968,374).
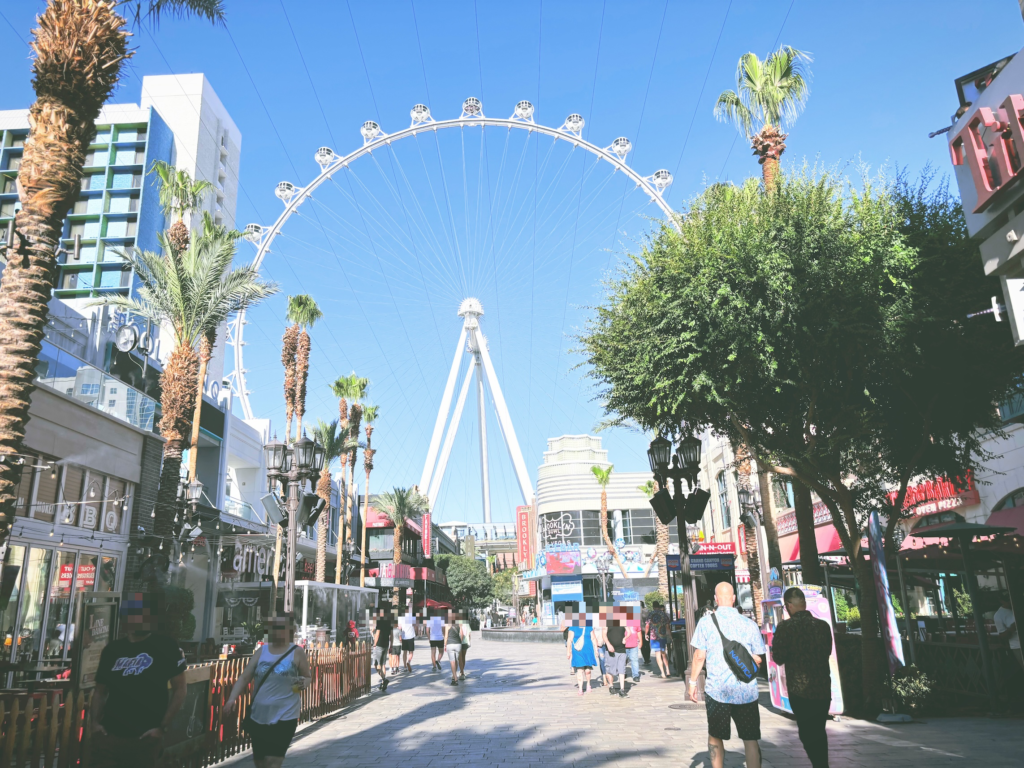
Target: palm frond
(370,414)
(352,387)
(179,193)
(730,109)
(152,11)
(603,476)
(769,92)
(303,310)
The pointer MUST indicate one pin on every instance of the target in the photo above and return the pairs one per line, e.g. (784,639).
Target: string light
(161,546)
(52,528)
(61,540)
(53,473)
(153,513)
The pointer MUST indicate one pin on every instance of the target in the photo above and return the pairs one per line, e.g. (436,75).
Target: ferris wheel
(570,133)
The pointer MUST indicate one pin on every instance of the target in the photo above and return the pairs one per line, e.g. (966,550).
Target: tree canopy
(468,580)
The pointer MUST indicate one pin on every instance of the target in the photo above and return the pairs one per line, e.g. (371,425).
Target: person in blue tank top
(579,649)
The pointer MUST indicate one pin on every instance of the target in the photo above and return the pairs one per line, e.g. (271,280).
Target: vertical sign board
(523,533)
(887,616)
(96,613)
(427,530)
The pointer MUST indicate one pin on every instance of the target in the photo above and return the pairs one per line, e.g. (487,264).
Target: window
(9,185)
(782,491)
(723,500)
(111,403)
(90,389)
(13,162)
(91,504)
(112,390)
(69,391)
(561,528)
(18,140)
(591,527)
(640,526)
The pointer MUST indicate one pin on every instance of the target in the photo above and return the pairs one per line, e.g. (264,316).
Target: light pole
(293,465)
(603,565)
(687,508)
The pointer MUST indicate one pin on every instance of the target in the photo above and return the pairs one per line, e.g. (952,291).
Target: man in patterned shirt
(725,696)
(803,644)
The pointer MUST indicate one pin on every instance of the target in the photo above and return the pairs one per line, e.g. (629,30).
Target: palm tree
(370,415)
(333,443)
(350,388)
(190,293)
(303,312)
(289,351)
(400,505)
(80,47)
(180,195)
(661,541)
(604,476)
(769,97)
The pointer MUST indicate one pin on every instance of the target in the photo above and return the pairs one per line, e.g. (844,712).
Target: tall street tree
(370,415)
(350,390)
(303,313)
(180,196)
(815,325)
(79,47)
(603,475)
(398,506)
(769,97)
(333,442)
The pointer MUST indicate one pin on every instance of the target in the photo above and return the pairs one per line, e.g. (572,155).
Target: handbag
(737,657)
(247,721)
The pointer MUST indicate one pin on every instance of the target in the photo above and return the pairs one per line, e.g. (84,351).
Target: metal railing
(243,509)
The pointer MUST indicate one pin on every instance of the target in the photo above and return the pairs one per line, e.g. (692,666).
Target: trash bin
(680,653)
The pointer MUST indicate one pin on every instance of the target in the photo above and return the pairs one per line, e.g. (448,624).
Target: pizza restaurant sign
(992,147)
(940,495)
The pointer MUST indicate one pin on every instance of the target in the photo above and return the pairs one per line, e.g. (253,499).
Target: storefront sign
(717,548)
(1002,127)
(426,537)
(397,571)
(557,527)
(712,562)
(99,616)
(86,577)
(559,561)
(523,533)
(251,559)
(566,590)
(673,563)
(940,495)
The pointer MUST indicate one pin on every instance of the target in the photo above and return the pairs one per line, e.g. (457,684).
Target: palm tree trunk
(289,349)
(205,353)
(301,376)
(750,538)
(604,534)
(339,553)
(661,550)
(399,532)
(769,144)
(323,490)
(362,543)
(61,125)
(178,394)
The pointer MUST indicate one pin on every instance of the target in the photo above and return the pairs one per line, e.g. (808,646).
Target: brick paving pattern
(519,707)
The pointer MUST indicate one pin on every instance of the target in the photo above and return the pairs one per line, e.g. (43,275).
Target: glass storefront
(583,527)
(37,598)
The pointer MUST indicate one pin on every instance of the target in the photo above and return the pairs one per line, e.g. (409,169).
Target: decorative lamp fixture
(274,452)
(304,449)
(743,494)
(689,452)
(194,492)
(659,454)
(319,455)
(289,455)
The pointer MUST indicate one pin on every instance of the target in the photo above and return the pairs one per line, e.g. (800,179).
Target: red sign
(717,548)
(995,171)
(86,577)
(940,495)
(523,533)
(399,571)
(427,530)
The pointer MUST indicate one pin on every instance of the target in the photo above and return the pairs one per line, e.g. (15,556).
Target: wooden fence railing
(52,728)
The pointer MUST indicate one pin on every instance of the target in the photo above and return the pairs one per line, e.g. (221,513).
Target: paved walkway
(519,708)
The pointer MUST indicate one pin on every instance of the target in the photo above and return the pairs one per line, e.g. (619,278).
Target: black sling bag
(737,656)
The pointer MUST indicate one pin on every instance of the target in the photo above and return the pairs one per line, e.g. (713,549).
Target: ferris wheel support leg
(442,415)
(484,477)
(449,440)
(507,430)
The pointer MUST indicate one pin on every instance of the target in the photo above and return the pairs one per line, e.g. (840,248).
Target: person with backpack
(732,647)
(279,672)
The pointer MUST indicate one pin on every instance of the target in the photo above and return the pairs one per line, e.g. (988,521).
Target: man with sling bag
(730,692)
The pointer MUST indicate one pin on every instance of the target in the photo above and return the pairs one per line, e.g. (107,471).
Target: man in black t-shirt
(615,640)
(130,706)
(381,642)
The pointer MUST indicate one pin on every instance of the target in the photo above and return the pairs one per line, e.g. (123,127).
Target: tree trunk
(661,550)
(771,530)
(604,534)
(770,173)
(803,508)
(769,144)
(79,49)
(301,376)
(323,490)
(178,394)
(339,554)
(289,345)
(872,654)
(362,543)
(205,353)
(750,536)
(398,560)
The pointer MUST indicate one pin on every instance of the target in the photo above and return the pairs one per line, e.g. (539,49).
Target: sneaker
(636,680)
(462,676)
(384,686)
(622,695)
(454,682)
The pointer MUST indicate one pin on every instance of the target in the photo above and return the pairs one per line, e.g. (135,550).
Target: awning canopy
(1008,518)
(431,603)
(826,537)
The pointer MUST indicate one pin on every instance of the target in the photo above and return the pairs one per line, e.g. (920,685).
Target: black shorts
(720,715)
(437,643)
(271,740)
(408,645)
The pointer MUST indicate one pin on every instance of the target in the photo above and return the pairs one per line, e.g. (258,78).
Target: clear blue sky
(390,248)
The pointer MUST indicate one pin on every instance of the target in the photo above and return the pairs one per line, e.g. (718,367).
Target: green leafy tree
(769,96)
(469,582)
(180,195)
(80,48)
(814,325)
(334,443)
(350,391)
(398,506)
(603,475)
(503,586)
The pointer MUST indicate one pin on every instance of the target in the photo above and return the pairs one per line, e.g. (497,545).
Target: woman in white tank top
(280,671)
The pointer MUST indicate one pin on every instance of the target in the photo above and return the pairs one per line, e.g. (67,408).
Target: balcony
(242,509)
(1012,410)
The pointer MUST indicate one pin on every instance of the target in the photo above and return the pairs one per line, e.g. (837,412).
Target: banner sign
(427,528)
(673,563)
(891,638)
(566,590)
(717,548)
(559,561)
(523,533)
(712,562)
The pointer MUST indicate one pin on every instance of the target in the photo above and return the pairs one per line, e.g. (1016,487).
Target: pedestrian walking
(396,646)
(803,645)
(645,643)
(453,645)
(435,630)
(381,642)
(615,666)
(601,647)
(658,635)
(727,698)
(131,707)
(579,650)
(466,632)
(632,643)
(1006,626)
(408,630)
(279,672)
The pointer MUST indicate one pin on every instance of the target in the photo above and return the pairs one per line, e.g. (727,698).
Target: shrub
(853,617)
(842,607)
(650,597)
(911,688)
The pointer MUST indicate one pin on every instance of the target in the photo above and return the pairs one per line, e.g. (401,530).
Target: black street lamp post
(292,465)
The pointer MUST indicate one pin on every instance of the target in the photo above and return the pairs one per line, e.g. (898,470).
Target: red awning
(826,536)
(431,603)
(1008,518)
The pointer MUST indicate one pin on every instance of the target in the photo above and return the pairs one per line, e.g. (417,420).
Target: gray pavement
(519,707)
